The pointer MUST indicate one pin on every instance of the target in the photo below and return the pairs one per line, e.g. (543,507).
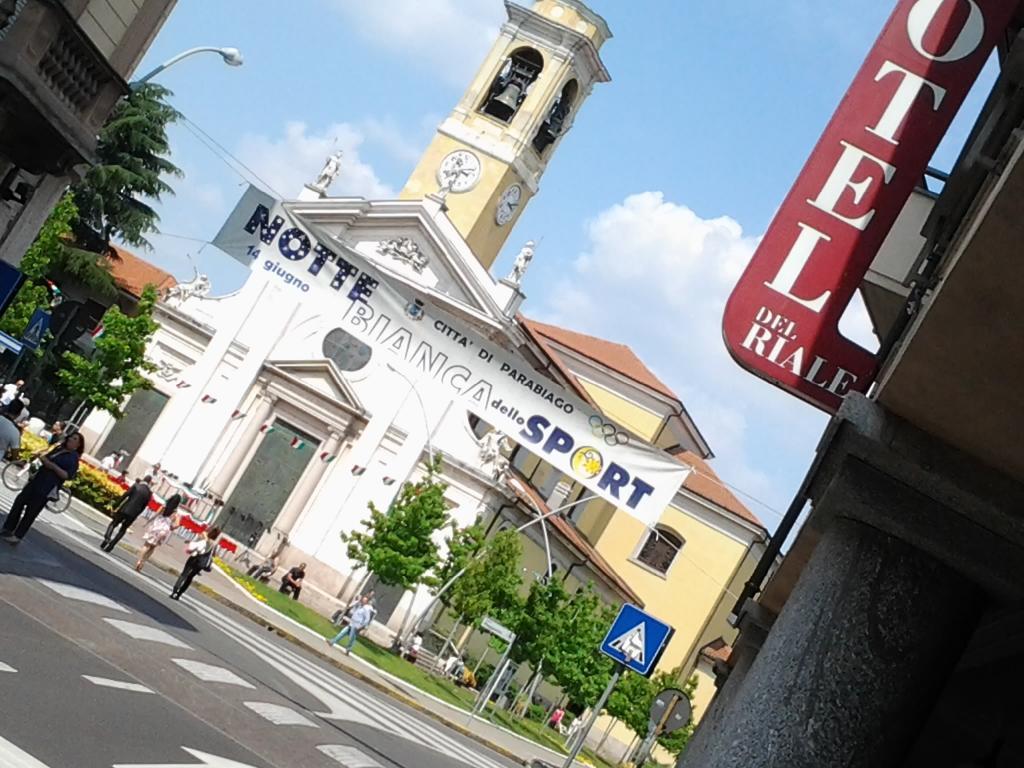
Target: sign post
(502,632)
(670,711)
(635,642)
(594,714)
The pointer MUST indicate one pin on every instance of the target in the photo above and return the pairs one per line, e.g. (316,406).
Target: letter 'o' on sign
(782,320)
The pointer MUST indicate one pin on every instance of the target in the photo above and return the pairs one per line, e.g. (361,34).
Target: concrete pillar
(851,667)
(304,490)
(261,412)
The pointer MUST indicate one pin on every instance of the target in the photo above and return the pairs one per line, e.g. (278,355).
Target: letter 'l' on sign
(782,320)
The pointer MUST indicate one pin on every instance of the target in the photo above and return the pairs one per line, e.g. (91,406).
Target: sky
(649,210)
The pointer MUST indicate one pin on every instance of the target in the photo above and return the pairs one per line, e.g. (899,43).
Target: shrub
(536,712)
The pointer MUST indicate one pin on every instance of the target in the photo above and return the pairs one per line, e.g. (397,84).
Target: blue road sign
(636,640)
(11,279)
(36,329)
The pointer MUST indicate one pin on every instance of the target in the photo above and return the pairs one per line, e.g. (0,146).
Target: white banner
(428,344)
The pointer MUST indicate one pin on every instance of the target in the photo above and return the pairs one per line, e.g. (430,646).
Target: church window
(510,88)
(659,549)
(558,117)
(346,351)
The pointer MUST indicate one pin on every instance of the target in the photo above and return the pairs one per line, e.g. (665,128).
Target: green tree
(490,586)
(49,247)
(133,152)
(464,544)
(630,702)
(540,622)
(398,545)
(580,669)
(118,367)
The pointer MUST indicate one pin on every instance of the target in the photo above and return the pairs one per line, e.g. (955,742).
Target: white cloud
(294,159)
(655,275)
(450,36)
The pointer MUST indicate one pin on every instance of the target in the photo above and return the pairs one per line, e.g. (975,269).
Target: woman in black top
(58,466)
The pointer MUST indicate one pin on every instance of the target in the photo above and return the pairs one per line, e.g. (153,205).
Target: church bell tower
(489,154)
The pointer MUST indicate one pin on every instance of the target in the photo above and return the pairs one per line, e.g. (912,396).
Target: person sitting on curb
(265,571)
(357,622)
(291,583)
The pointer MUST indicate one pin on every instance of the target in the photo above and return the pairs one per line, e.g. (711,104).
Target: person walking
(159,530)
(200,558)
(133,503)
(57,467)
(359,620)
(11,391)
(10,435)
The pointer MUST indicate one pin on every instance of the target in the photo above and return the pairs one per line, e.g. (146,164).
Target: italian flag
(237,414)
(327,458)
(209,399)
(97,331)
(297,444)
(266,429)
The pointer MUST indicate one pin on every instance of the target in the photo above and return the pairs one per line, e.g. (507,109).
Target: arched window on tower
(659,549)
(557,119)
(512,84)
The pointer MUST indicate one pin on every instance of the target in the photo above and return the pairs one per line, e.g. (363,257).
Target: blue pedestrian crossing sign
(636,640)
(36,329)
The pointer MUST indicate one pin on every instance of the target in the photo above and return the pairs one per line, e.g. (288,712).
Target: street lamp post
(232,57)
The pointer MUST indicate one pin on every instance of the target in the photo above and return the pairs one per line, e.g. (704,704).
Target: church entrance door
(268,481)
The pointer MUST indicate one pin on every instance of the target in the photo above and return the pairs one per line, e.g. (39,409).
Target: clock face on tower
(507,204)
(459,171)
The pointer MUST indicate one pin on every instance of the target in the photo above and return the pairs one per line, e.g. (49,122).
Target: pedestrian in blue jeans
(358,621)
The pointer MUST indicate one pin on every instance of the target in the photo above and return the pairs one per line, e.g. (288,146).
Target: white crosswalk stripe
(345,700)
(279,715)
(350,757)
(327,687)
(71,592)
(119,685)
(6,668)
(144,632)
(210,673)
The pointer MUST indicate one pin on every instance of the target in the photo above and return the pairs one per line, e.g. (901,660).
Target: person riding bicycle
(56,467)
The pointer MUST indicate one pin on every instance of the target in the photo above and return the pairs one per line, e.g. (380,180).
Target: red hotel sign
(781,322)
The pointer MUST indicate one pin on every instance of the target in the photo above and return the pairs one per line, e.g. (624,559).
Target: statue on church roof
(330,171)
(523,259)
(178,294)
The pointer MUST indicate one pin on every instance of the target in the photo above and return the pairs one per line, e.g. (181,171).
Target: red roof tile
(132,273)
(617,357)
(705,483)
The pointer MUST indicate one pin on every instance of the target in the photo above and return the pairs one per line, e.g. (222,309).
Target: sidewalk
(228,592)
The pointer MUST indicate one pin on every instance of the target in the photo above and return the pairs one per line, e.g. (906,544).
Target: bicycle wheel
(60,504)
(14,477)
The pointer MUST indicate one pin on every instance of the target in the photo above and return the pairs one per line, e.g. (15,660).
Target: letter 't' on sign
(782,320)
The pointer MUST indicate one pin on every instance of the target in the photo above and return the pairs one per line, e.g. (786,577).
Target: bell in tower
(490,153)
(512,84)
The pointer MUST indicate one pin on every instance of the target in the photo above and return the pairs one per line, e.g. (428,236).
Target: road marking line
(12,757)
(350,757)
(143,632)
(71,592)
(209,673)
(121,686)
(6,668)
(279,715)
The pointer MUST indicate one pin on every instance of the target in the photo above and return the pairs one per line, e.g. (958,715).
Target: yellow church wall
(690,591)
(634,417)
(569,17)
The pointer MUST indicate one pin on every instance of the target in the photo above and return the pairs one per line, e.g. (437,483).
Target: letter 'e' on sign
(782,320)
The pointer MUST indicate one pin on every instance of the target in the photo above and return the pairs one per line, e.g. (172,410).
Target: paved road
(100,669)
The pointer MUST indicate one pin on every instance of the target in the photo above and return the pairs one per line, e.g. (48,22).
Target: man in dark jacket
(127,511)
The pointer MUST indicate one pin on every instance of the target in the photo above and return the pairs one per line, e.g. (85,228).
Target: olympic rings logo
(607,432)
